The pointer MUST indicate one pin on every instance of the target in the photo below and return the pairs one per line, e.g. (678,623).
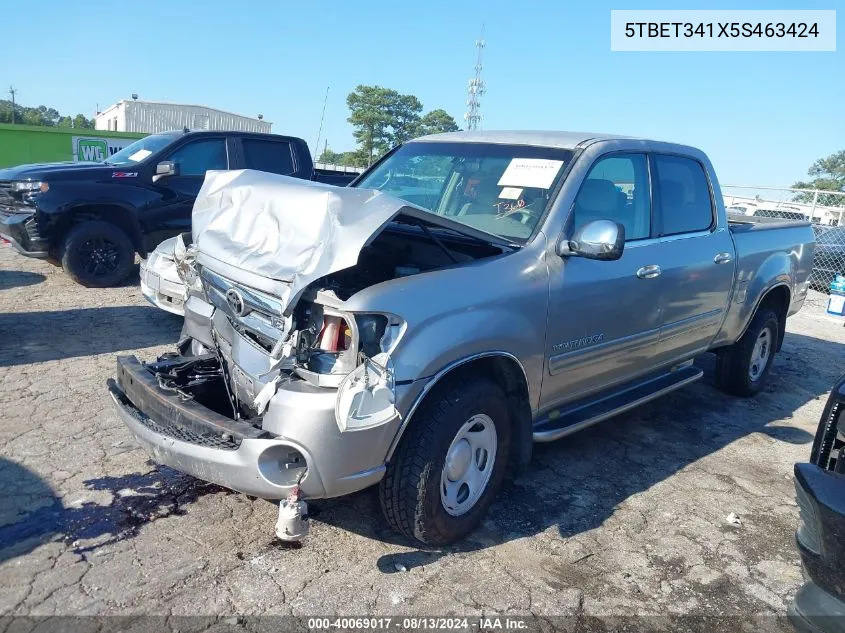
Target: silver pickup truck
(471,294)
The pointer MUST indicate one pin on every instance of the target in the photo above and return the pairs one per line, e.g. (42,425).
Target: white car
(160,279)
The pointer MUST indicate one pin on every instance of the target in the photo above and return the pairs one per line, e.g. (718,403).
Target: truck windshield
(499,189)
(140,149)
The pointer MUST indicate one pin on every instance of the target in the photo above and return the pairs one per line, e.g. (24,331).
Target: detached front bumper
(189,437)
(21,229)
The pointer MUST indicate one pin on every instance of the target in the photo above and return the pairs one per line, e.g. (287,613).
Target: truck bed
(766,249)
(744,223)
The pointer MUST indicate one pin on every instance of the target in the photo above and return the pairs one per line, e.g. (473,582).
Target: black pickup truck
(93,217)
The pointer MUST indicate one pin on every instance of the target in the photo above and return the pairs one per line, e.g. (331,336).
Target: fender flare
(436,378)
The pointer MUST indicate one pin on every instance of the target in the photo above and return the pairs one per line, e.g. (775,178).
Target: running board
(584,413)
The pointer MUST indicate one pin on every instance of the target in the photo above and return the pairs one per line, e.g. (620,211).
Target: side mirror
(165,168)
(598,239)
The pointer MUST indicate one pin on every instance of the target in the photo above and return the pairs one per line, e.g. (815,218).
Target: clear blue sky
(762,117)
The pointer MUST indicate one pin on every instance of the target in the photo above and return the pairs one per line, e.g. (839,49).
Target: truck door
(604,316)
(696,257)
(270,155)
(172,214)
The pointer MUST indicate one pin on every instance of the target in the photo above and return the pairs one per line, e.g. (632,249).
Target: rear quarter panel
(768,255)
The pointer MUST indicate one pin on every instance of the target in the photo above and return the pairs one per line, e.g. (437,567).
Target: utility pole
(475,89)
(12,91)
(322,118)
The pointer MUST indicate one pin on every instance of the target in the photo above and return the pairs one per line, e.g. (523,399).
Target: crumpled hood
(290,230)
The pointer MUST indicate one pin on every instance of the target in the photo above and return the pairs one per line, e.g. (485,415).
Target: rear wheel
(98,254)
(450,463)
(744,366)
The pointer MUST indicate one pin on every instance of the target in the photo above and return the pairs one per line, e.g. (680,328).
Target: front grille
(32,231)
(10,204)
(260,317)
(186,435)
(829,442)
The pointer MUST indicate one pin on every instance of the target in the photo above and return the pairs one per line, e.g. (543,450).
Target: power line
(475,89)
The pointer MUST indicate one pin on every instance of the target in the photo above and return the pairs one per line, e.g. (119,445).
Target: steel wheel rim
(760,354)
(469,464)
(99,256)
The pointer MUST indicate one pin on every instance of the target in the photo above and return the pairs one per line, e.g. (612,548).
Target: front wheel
(744,366)
(97,254)
(450,463)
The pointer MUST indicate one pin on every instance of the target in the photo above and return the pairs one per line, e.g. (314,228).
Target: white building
(134,115)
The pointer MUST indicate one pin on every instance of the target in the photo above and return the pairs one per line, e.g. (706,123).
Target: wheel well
(510,376)
(106,213)
(777,299)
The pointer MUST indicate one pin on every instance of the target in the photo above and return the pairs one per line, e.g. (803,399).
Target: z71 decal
(124,174)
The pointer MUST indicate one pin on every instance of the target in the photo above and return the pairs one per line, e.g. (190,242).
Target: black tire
(410,491)
(97,254)
(733,373)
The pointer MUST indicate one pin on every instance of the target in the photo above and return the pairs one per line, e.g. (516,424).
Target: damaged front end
(261,348)
(169,273)
(300,388)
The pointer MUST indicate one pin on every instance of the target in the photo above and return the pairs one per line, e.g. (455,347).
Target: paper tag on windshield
(530,172)
(141,154)
(510,193)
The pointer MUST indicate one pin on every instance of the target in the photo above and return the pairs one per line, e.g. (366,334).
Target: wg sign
(95,148)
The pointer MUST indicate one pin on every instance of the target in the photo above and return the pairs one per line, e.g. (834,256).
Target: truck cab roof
(543,138)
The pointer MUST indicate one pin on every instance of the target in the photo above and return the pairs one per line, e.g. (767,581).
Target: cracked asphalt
(625,518)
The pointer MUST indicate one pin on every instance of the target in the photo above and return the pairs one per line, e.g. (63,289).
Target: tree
(383,118)
(41,116)
(829,175)
(328,156)
(351,159)
(404,118)
(437,121)
(371,114)
(80,121)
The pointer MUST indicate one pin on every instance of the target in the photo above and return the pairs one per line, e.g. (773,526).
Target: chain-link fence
(824,209)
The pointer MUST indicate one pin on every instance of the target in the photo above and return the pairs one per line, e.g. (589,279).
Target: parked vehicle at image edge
(829,256)
(785,214)
(422,337)
(93,217)
(819,606)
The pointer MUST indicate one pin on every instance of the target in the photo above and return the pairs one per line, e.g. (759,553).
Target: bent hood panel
(290,230)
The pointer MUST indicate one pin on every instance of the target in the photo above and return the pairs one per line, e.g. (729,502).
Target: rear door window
(683,202)
(275,157)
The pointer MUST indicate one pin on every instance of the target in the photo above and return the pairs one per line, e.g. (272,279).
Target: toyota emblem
(235,301)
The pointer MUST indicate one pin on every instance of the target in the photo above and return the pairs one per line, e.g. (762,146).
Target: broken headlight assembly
(366,396)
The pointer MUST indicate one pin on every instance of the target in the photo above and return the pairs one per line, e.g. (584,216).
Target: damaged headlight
(379,333)
(366,398)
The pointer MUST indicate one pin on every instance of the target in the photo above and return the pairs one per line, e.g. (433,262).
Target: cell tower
(475,90)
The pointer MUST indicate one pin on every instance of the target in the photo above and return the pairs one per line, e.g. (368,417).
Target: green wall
(34,144)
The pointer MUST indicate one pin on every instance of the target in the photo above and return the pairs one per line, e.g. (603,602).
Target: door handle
(723,258)
(649,272)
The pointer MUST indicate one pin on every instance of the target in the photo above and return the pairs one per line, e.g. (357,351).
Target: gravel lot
(626,518)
